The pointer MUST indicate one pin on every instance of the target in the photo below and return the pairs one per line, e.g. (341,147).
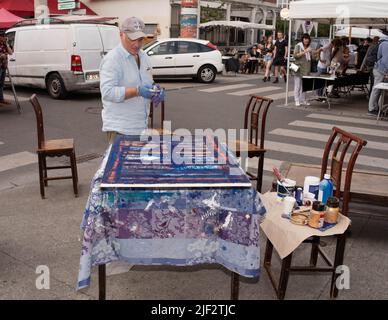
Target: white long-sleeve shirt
(119,70)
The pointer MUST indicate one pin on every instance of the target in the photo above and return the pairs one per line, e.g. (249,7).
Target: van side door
(88,45)
(110,36)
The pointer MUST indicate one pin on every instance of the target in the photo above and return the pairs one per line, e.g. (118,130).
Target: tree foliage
(213,14)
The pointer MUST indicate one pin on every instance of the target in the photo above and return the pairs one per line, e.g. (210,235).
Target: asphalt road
(292,134)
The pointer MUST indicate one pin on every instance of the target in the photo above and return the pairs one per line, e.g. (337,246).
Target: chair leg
(41,175)
(44,162)
(314,251)
(284,275)
(235,283)
(260,174)
(74,173)
(338,260)
(268,253)
(75,166)
(101,282)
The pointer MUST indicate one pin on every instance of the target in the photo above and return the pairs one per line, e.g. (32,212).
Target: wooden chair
(254,121)
(152,114)
(161,130)
(340,141)
(53,148)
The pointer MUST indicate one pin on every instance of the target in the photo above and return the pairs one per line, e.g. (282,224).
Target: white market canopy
(368,12)
(237,24)
(359,33)
(335,12)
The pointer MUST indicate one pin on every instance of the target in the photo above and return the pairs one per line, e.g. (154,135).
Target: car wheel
(56,87)
(206,74)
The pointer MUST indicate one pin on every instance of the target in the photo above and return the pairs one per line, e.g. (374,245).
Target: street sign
(66,5)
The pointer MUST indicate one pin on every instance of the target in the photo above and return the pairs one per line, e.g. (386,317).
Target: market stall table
(315,82)
(149,213)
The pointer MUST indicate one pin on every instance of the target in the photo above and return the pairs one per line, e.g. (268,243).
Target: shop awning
(21,8)
(25,8)
(7,19)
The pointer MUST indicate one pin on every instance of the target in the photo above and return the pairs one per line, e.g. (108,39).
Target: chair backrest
(39,119)
(255,119)
(336,149)
(151,115)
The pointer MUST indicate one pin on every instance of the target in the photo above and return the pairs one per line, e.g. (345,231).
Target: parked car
(179,57)
(60,57)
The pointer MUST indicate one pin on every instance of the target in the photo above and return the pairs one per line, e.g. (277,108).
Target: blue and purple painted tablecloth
(181,227)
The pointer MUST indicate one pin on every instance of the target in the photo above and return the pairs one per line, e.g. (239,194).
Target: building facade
(163,17)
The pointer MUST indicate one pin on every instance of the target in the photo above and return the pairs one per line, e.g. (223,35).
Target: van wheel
(56,87)
(206,74)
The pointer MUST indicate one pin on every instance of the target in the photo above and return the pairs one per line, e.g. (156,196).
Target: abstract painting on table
(160,162)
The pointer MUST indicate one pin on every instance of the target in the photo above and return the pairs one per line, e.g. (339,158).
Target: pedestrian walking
(280,56)
(268,51)
(303,56)
(5,50)
(380,71)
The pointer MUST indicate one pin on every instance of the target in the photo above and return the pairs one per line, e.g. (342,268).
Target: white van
(60,57)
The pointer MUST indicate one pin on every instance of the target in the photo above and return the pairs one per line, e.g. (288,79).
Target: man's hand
(145,91)
(158,97)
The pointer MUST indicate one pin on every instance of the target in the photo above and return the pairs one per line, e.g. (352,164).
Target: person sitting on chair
(5,50)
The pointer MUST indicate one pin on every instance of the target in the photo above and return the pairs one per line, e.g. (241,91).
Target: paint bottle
(317,215)
(325,189)
(332,210)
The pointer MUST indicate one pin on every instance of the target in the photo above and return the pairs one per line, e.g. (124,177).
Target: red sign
(189,4)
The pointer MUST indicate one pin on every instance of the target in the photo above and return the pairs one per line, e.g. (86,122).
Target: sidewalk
(46,232)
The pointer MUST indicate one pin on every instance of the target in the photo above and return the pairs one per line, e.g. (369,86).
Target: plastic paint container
(311,184)
(286,188)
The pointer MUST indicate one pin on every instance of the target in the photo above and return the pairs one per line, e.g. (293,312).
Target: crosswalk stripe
(15,160)
(281,95)
(347,119)
(268,163)
(329,126)
(253,91)
(318,152)
(227,87)
(322,137)
(11,98)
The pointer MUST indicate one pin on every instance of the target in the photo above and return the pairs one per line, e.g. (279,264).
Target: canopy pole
(228,36)
(331,30)
(288,60)
(350,34)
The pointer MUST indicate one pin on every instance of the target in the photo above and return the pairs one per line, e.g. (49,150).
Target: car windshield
(149,44)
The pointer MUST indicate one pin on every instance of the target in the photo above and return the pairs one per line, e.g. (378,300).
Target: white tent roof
(237,24)
(368,12)
(359,33)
